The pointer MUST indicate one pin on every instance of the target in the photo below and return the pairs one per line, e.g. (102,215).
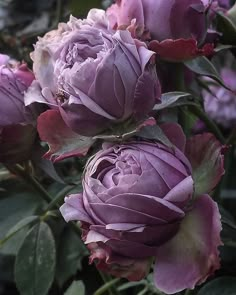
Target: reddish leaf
(180,49)
(63,142)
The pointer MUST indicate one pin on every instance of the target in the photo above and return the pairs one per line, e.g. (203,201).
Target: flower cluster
(97,85)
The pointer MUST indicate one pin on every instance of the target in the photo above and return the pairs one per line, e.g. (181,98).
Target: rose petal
(175,134)
(73,209)
(204,152)
(180,49)
(35,94)
(181,193)
(123,12)
(156,207)
(192,255)
(152,236)
(4,59)
(116,265)
(116,214)
(63,142)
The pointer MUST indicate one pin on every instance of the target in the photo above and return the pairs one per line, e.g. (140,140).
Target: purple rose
(15,79)
(94,78)
(169,19)
(220,103)
(16,132)
(140,200)
(174,27)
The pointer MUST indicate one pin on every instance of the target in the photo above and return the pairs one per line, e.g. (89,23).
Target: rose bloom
(93,77)
(176,29)
(140,201)
(16,132)
(169,19)
(220,103)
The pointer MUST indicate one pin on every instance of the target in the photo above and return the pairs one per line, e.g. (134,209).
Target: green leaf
(169,99)
(202,66)
(16,206)
(71,250)
(76,288)
(35,261)
(227,28)
(20,225)
(154,133)
(219,286)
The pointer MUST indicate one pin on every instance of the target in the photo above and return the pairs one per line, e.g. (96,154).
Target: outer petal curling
(63,142)
(192,255)
(132,269)
(73,209)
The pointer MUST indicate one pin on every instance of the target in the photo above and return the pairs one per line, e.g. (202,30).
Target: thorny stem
(60,196)
(19,170)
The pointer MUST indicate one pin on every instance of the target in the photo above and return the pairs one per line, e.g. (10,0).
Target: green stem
(179,77)
(59,197)
(106,287)
(19,170)
(180,86)
(106,279)
(196,110)
(231,137)
(144,291)
(75,228)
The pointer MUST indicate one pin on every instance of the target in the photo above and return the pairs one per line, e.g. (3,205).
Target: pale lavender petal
(181,193)
(73,209)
